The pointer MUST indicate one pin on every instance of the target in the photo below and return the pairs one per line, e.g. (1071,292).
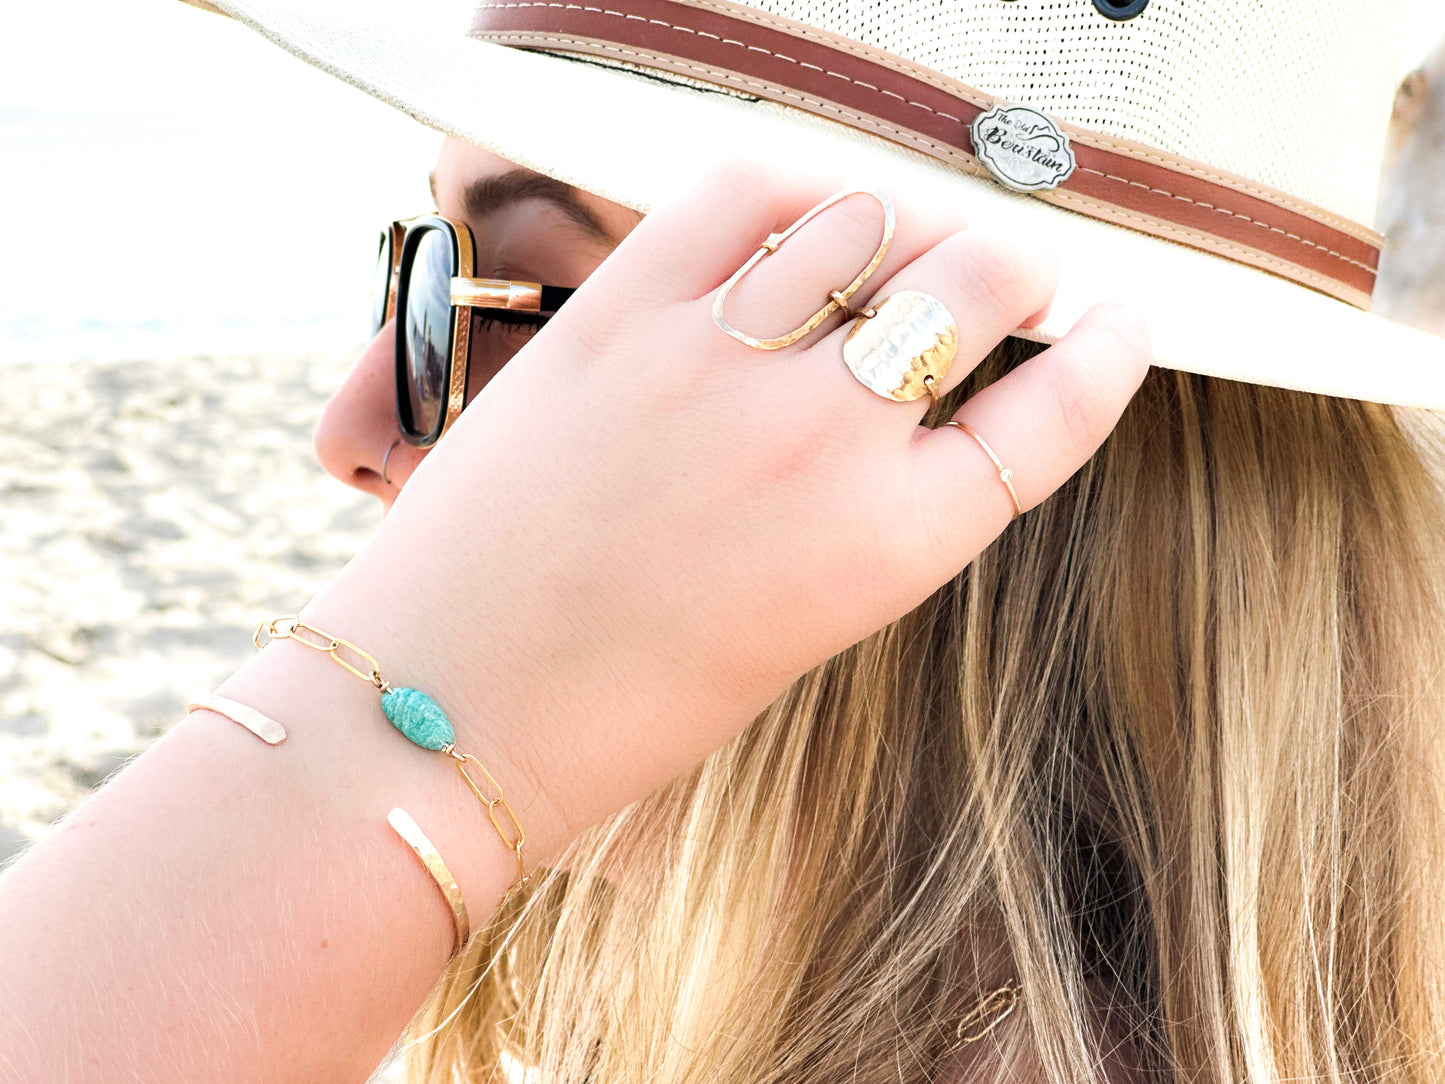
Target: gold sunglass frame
(467,293)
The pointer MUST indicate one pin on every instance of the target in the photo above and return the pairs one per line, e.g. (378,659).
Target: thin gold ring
(1005,474)
(386,459)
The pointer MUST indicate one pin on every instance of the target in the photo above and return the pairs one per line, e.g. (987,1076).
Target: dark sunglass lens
(381,283)
(428,329)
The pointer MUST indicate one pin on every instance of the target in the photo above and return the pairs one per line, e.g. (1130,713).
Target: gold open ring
(838,300)
(1005,474)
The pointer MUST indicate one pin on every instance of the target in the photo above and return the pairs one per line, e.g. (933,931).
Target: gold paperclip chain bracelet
(416,715)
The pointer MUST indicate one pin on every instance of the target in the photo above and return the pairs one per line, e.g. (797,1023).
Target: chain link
(291,627)
(512,835)
(991,1011)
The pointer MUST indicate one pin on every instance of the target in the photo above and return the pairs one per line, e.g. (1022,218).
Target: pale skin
(633,539)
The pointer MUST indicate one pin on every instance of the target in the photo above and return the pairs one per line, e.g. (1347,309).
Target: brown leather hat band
(765,56)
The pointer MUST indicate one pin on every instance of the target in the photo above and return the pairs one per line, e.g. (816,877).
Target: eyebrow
(488,195)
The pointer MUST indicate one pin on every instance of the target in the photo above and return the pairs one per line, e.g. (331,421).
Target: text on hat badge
(1022,149)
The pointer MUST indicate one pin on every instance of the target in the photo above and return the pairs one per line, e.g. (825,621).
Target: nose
(358,426)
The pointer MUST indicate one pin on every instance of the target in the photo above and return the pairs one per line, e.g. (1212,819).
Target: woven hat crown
(1293,95)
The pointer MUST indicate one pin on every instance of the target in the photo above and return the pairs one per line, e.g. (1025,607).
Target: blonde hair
(1167,754)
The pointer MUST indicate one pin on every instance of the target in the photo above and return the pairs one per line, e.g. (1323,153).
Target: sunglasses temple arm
(553,296)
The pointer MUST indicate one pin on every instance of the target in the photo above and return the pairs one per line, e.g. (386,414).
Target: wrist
(576,705)
(341,749)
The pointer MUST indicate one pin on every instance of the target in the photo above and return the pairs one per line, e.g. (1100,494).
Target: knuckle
(1130,335)
(1092,384)
(997,274)
(812,439)
(590,331)
(1085,409)
(736,175)
(862,216)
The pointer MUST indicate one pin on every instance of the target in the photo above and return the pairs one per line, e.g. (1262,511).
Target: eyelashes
(508,323)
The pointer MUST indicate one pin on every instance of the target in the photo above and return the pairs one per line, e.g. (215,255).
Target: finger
(1037,318)
(1043,420)
(990,286)
(687,247)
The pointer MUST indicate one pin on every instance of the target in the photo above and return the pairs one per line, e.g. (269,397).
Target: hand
(642,530)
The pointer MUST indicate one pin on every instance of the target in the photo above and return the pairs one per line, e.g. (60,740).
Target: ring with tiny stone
(1005,474)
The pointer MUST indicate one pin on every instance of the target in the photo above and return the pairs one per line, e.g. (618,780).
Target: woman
(1147,788)
(1410,207)
(527,227)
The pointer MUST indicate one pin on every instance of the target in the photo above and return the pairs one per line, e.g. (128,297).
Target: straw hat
(1215,164)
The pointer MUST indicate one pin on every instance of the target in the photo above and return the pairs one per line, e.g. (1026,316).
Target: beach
(154,512)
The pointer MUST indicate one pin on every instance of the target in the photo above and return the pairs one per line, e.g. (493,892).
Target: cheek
(492,346)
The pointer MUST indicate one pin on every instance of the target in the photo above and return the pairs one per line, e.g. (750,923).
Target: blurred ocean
(160,234)
(170,184)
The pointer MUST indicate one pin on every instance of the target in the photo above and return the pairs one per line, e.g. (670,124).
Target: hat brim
(637,140)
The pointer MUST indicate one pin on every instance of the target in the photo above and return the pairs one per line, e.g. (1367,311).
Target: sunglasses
(445,317)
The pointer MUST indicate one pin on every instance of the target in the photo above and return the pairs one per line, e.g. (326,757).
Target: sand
(154,512)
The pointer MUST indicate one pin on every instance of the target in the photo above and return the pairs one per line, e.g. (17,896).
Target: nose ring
(386,459)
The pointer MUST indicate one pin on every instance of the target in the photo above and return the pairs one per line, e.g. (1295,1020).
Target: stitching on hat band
(1128,184)
(984,101)
(952,87)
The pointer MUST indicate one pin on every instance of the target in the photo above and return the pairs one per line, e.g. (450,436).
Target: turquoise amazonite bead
(418,717)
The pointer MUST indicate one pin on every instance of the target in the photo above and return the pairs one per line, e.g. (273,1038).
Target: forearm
(227,910)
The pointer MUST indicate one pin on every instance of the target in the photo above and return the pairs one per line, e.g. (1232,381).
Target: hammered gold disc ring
(902,347)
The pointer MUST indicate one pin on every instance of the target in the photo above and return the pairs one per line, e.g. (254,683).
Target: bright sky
(227,196)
